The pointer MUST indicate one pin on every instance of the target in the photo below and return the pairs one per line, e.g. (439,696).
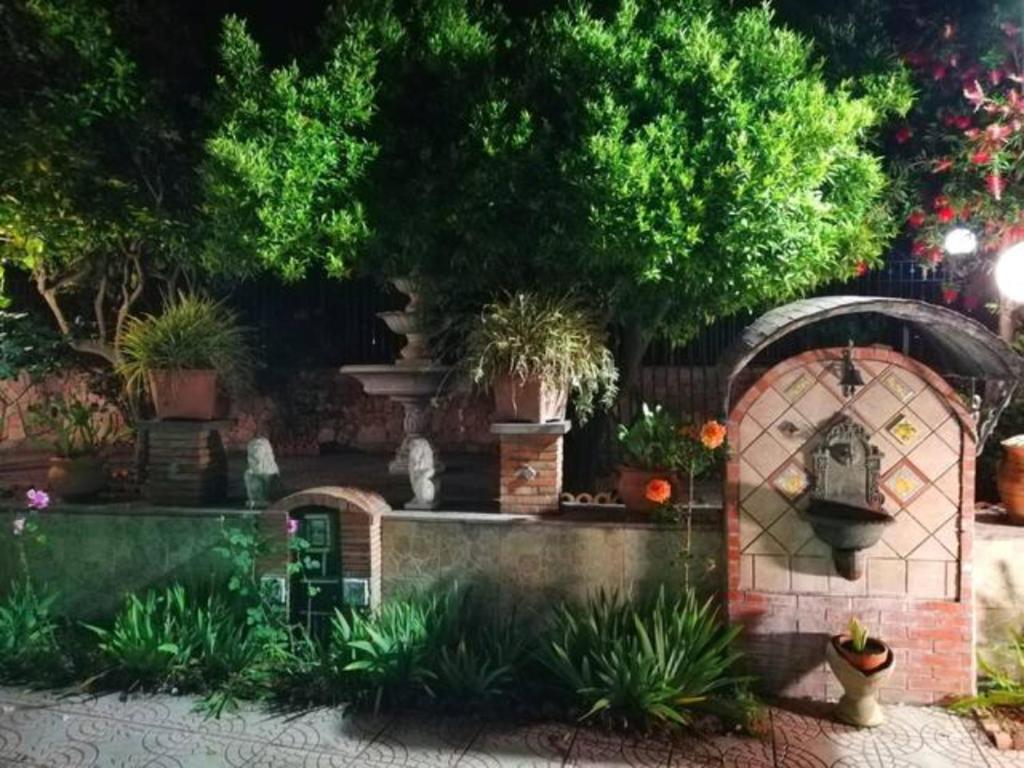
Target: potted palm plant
(534,351)
(80,432)
(187,355)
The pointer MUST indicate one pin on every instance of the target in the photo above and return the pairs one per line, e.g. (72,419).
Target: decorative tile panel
(792,430)
(904,482)
(769,406)
(818,405)
(764,505)
(791,481)
(876,405)
(904,430)
(795,388)
(930,408)
(765,454)
(900,389)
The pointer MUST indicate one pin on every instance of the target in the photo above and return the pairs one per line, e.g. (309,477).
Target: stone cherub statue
(422,469)
(262,478)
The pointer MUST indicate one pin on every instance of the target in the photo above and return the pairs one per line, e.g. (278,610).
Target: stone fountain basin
(398,381)
(845,526)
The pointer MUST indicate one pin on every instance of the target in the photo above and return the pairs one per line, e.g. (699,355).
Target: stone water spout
(845,510)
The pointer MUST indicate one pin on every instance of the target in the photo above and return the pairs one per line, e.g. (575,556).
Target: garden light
(960,242)
(1010,273)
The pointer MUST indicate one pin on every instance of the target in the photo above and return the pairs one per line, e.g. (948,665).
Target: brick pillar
(185,462)
(530,480)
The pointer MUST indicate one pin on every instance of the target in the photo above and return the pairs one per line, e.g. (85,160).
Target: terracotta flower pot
(859,703)
(76,479)
(1010,480)
(534,401)
(186,394)
(874,655)
(632,487)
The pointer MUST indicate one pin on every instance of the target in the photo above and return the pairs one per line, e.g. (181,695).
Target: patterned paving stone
(510,746)
(596,748)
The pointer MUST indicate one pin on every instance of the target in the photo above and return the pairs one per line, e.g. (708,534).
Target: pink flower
(18,526)
(903,135)
(293,526)
(981,157)
(37,499)
(995,184)
(945,214)
(995,76)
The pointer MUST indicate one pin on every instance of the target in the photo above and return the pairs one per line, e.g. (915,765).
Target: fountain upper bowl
(847,526)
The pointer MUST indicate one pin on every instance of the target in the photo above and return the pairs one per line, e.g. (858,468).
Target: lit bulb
(960,242)
(1010,273)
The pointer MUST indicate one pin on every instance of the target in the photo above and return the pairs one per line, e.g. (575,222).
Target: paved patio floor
(44,730)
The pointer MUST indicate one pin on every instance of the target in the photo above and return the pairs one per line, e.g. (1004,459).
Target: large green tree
(91,178)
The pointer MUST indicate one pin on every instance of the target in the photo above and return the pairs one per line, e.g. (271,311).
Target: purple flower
(18,526)
(38,499)
(293,526)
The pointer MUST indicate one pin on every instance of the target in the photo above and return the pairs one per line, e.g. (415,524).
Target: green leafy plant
(529,335)
(640,663)
(1002,679)
(192,332)
(77,427)
(653,441)
(482,665)
(858,636)
(29,641)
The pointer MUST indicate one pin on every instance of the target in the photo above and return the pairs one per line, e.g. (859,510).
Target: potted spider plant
(533,351)
(80,432)
(861,663)
(187,356)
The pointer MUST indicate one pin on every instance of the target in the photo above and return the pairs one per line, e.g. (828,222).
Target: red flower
(934,254)
(938,71)
(945,214)
(916,219)
(994,184)
(950,294)
(981,157)
(919,248)
(963,122)
(861,269)
(903,135)
(658,491)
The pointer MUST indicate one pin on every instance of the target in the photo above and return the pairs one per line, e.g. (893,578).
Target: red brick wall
(786,629)
(522,492)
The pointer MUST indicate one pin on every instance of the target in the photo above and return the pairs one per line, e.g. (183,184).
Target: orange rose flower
(658,491)
(712,435)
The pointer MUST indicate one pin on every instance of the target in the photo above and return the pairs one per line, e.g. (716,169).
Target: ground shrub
(640,663)
(30,642)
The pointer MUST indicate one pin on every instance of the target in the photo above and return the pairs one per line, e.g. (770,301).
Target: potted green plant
(535,350)
(188,356)
(861,664)
(80,432)
(661,457)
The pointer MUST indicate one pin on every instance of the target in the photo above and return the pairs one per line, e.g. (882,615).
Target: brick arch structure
(917,593)
(359,517)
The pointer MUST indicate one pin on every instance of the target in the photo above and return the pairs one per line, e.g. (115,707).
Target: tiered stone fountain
(413,381)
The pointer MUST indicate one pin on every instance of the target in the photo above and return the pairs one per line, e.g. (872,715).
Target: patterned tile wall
(920,439)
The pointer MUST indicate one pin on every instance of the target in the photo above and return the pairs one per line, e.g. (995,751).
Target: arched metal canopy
(969,348)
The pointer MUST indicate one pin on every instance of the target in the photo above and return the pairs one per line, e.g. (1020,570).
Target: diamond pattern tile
(791,481)
(905,430)
(949,484)
(818,405)
(898,385)
(930,549)
(750,430)
(750,480)
(951,433)
(931,508)
(791,531)
(792,430)
(905,535)
(794,385)
(948,537)
(768,407)
(930,408)
(765,544)
(750,529)
(904,482)
(933,456)
(765,455)
(764,505)
(876,405)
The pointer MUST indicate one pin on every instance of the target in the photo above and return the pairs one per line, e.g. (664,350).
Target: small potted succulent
(80,432)
(861,664)
(534,351)
(662,457)
(187,356)
(1010,478)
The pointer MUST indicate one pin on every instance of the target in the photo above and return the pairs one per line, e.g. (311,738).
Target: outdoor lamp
(960,242)
(1010,273)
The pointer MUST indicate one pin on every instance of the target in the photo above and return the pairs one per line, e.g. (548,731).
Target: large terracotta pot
(534,401)
(1010,479)
(186,394)
(76,479)
(632,487)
